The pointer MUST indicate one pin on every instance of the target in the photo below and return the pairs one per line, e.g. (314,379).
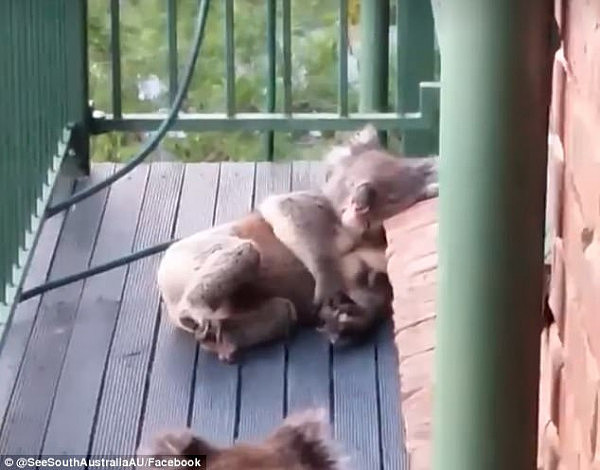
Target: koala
(301,442)
(306,258)
(365,185)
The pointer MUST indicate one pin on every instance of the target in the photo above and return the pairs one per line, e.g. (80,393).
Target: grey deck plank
(355,403)
(31,402)
(393,450)
(263,368)
(21,324)
(171,382)
(70,426)
(121,404)
(216,385)
(308,370)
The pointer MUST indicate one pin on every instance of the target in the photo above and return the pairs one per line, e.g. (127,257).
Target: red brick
(558,13)
(549,453)
(556,181)
(565,411)
(589,398)
(423,266)
(557,104)
(594,438)
(420,459)
(409,313)
(582,149)
(544,391)
(412,243)
(423,213)
(582,290)
(417,417)
(416,373)
(583,46)
(555,365)
(556,299)
(416,339)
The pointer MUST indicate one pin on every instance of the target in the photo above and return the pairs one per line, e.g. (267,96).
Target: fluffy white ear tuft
(366,136)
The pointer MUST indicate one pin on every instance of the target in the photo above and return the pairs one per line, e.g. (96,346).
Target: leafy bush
(144,68)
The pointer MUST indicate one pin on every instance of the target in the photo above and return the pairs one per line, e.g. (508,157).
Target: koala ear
(364,138)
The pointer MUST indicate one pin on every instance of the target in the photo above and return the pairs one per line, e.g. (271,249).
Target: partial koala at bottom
(302,442)
(311,258)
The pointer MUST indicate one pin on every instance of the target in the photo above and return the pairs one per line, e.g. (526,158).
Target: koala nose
(364,197)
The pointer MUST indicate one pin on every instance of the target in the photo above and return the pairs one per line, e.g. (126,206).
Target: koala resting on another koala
(301,442)
(311,258)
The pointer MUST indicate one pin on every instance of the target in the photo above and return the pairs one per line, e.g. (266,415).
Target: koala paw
(329,292)
(340,320)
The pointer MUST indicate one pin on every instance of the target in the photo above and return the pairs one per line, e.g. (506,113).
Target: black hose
(162,130)
(95,270)
(138,159)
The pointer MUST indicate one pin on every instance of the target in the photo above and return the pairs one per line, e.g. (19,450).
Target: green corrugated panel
(44,83)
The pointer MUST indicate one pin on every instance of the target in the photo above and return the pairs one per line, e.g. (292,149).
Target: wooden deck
(92,368)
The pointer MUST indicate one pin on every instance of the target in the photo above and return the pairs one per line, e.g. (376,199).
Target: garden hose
(127,168)
(162,130)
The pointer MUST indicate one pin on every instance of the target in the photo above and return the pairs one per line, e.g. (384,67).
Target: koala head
(367,184)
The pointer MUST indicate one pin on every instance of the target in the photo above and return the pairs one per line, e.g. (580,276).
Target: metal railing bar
(266,122)
(115,55)
(343,59)
(287,56)
(230,57)
(400,52)
(269,139)
(173,59)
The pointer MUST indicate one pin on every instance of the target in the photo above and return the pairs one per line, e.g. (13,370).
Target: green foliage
(144,52)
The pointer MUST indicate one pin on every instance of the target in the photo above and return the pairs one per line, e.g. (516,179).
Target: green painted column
(496,65)
(78,86)
(374,56)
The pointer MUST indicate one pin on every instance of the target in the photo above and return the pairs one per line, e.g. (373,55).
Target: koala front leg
(347,322)
(305,222)
(351,318)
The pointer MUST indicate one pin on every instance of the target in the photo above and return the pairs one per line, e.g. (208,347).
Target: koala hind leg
(271,320)
(223,272)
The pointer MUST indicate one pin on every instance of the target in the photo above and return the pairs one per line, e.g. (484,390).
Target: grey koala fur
(302,442)
(302,258)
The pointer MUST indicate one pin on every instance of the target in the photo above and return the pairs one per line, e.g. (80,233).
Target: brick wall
(570,379)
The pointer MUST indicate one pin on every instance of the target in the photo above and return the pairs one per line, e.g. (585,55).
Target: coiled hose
(134,162)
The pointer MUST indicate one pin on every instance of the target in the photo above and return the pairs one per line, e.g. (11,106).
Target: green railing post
(374,56)
(416,63)
(77,87)
(269,137)
(496,64)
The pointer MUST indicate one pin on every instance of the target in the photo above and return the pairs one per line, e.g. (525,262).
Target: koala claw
(340,319)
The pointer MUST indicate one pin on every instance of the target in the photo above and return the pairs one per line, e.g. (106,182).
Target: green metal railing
(414,113)
(42,89)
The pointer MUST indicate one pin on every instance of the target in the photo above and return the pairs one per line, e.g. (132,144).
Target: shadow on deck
(93,367)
